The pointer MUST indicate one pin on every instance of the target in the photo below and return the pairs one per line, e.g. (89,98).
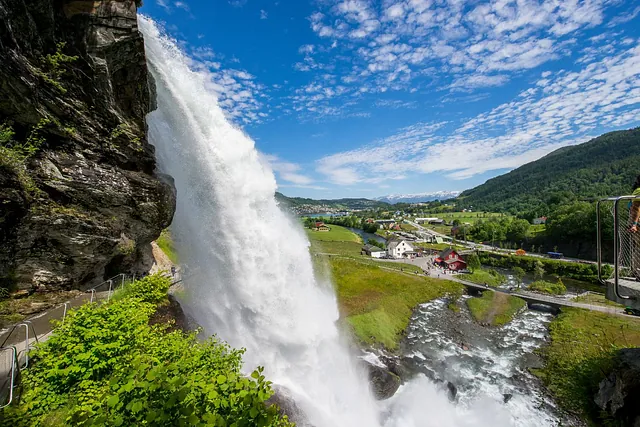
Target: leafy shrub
(549,288)
(106,366)
(54,66)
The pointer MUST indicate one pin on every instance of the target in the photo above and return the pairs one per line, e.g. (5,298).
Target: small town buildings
(396,248)
(373,251)
(451,260)
(430,220)
(321,226)
(541,220)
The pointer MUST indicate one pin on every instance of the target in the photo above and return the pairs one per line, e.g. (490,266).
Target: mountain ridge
(603,166)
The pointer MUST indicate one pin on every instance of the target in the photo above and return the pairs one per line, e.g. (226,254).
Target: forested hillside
(604,166)
(337,203)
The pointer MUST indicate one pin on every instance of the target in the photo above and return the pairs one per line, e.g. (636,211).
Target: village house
(451,260)
(321,226)
(396,248)
(373,251)
(539,221)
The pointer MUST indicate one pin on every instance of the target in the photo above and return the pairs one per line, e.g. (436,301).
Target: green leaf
(222,379)
(137,406)
(113,401)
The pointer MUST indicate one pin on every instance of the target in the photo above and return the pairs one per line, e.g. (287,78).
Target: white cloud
(403,45)
(287,171)
(568,108)
(263,14)
(237,3)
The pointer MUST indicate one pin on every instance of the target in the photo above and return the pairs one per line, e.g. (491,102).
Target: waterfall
(254,284)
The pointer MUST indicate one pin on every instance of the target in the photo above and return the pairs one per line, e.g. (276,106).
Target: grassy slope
(482,277)
(375,298)
(495,308)
(580,353)
(378,303)
(165,242)
(336,234)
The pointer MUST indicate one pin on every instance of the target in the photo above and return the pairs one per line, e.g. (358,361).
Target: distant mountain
(299,204)
(604,166)
(418,198)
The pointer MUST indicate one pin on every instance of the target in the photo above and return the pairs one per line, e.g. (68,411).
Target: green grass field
(581,353)
(336,234)
(470,217)
(495,308)
(376,298)
(484,277)
(378,303)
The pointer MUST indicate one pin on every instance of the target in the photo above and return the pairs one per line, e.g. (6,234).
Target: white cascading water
(256,287)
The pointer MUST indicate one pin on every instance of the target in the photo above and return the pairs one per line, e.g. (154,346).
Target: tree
(538,270)
(519,273)
(473,262)
(374,242)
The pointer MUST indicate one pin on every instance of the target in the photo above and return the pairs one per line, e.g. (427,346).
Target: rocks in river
(284,400)
(507,397)
(383,382)
(619,393)
(452,391)
(88,202)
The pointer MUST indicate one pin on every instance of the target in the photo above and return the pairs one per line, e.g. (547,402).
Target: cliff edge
(80,198)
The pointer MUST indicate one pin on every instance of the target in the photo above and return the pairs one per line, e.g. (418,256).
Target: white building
(397,248)
(373,251)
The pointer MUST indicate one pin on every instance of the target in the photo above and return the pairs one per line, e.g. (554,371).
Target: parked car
(632,311)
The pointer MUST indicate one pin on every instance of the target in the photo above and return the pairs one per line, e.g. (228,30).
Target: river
(487,367)
(366,236)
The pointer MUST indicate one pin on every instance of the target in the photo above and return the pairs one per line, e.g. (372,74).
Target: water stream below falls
(252,281)
(484,364)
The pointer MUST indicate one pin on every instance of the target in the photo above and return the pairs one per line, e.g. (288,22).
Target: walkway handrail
(616,242)
(13,373)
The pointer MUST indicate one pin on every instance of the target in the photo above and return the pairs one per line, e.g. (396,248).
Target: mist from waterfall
(252,281)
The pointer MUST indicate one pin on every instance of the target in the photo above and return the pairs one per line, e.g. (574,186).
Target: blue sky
(356,98)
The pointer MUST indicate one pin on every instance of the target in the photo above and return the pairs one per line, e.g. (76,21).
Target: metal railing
(9,375)
(17,342)
(626,245)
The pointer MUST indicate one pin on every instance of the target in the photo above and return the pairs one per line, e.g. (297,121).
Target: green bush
(548,287)
(572,270)
(107,366)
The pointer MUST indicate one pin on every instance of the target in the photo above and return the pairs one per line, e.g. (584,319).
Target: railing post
(110,286)
(616,250)
(64,313)
(93,293)
(122,284)
(14,358)
(599,243)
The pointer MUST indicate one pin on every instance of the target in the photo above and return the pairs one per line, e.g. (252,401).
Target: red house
(451,260)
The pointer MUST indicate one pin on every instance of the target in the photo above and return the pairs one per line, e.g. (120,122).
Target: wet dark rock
(283,398)
(619,393)
(452,391)
(383,382)
(507,397)
(533,361)
(87,204)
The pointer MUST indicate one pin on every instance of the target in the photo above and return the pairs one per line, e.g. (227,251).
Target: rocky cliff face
(619,393)
(79,195)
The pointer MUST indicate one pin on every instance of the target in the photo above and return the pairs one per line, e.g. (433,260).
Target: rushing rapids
(252,281)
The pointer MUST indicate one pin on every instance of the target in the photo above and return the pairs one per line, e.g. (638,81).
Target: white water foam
(255,285)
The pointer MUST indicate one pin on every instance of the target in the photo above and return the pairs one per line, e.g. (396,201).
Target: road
(488,248)
(426,264)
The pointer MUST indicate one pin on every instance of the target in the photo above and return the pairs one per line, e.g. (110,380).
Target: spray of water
(256,288)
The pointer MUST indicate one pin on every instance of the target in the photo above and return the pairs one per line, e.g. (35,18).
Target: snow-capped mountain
(418,198)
